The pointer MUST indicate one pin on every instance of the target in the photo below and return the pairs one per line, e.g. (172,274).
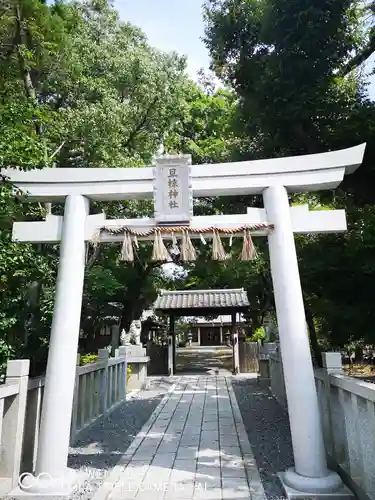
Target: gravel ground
(102,445)
(267,426)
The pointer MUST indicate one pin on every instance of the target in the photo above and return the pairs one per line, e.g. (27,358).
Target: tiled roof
(202,299)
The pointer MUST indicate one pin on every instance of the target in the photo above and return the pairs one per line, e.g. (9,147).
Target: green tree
(206,126)
(290,64)
(281,58)
(77,88)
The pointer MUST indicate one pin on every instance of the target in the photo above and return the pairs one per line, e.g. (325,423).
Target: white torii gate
(273,179)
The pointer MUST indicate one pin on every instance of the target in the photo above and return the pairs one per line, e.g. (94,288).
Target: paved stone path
(206,361)
(193,447)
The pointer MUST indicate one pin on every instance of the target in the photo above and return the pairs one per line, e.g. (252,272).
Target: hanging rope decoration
(160,252)
(248,249)
(127,253)
(187,252)
(218,251)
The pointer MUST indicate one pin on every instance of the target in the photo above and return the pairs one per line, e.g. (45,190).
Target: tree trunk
(313,337)
(126,318)
(358,357)
(24,70)
(30,93)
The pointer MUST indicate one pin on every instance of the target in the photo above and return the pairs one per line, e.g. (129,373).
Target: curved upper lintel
(350,159)
(297,173)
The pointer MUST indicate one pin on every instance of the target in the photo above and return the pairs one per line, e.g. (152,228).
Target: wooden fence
(248,357)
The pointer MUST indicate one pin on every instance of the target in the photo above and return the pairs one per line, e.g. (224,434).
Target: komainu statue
(125,338)
(135,331)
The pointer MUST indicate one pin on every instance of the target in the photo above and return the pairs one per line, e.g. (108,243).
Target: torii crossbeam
(303,222)
(273,179)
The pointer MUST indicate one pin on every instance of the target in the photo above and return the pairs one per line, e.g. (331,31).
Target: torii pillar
(55,423)
(271,178)
(310,474)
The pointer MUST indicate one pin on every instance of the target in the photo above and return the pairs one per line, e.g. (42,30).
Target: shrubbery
(257,335)
(88,359)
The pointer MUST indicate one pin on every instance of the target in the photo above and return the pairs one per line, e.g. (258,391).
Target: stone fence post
(332,362)
(264,359)
(14,419)
(122,353)
(73,429)
(103,356)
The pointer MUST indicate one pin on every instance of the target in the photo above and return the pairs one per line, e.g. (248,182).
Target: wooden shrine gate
(201,303)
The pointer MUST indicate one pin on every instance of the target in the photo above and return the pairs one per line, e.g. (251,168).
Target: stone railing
(13,397)
(100,387)
(347,408)
(277,378)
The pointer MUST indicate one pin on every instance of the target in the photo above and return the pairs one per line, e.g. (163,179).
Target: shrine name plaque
(173,193)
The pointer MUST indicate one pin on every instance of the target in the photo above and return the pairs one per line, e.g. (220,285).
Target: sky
(177,25)
(170,25)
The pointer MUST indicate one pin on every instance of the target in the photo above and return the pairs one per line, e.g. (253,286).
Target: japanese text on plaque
(173,188)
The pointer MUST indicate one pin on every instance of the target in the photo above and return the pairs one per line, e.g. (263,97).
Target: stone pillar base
(328,488)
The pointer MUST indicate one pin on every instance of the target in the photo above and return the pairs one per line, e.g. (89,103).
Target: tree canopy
(290,64)
(78,88)
(81,88)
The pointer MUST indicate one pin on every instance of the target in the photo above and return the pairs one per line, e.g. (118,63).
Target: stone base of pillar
(327,488)
(44,486)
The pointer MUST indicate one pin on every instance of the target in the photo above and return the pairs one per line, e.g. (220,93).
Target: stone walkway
(204,360)
(194,446)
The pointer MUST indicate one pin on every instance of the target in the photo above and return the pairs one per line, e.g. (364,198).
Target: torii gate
(273,179)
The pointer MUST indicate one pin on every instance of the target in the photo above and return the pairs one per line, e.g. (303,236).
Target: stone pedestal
(136,357)
(342,493)
(132,351)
